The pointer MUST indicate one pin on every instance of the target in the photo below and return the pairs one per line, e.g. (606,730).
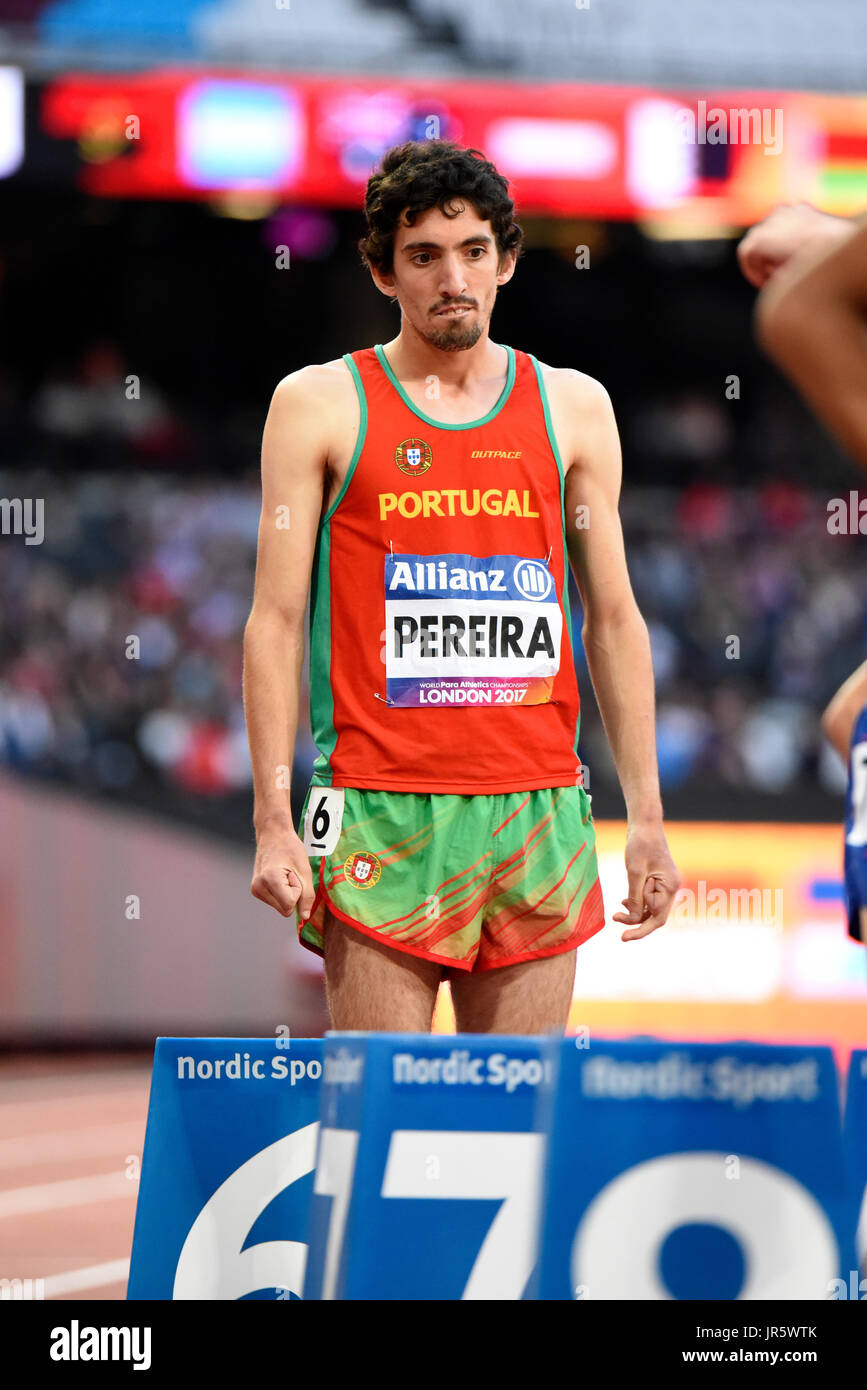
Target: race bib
(470,630)
(323,819)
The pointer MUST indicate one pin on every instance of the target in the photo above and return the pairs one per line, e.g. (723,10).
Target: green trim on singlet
(321,692)
(359,440)
(440,424)
(552,440)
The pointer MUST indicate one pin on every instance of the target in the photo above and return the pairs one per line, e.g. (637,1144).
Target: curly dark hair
(423,174)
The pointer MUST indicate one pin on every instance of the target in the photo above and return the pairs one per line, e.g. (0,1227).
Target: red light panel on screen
(571,150)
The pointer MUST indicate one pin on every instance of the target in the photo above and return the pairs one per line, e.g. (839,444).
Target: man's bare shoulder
(569,387)
(583,419)
(321,383)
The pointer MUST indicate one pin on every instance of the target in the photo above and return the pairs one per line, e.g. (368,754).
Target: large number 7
(469,1165)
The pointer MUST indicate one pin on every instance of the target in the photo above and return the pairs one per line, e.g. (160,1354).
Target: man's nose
(452,280)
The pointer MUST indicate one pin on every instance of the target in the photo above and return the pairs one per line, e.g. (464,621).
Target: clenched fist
(281,874)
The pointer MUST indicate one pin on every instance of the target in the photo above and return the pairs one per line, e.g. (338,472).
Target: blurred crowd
(121,633)
(756,614)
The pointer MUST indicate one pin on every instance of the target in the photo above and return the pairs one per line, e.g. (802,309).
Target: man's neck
(413,358)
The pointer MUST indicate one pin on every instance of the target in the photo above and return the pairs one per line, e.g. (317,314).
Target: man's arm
(293,476)
(838,721)
(811,318)
(615,638)
(811,314)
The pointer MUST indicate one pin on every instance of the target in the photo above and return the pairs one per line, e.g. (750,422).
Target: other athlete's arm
(838,720)
(790,237)
(294,458)
(813,322)
(615,637)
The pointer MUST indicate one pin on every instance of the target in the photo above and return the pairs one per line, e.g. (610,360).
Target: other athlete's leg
(375,988)
(531,997)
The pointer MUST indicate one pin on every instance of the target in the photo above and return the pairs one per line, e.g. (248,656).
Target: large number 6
(321,820)
(212,1264)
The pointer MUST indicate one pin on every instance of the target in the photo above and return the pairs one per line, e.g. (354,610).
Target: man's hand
(788,230)
(281,875)
(653,881)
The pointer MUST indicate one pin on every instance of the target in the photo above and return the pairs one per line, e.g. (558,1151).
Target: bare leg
(531,997)
(374,988)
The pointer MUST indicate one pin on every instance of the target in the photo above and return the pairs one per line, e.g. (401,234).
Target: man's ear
(507,267)
(384,282)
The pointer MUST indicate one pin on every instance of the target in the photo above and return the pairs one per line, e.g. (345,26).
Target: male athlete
(434,488)
(811,317)
(844,724)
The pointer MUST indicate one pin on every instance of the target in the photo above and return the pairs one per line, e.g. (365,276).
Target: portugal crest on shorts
(413,457)
(362,869)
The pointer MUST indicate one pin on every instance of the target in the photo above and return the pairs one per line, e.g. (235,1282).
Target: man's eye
(421,259)
(477,251)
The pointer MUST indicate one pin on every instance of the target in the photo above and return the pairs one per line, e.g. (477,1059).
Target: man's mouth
(454,311)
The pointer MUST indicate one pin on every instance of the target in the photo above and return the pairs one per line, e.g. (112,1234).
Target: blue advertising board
(427,1171)
(855,1145)
(227,1169)
(693,1171)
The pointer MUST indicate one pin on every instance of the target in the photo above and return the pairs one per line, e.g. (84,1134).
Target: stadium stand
(171,561)
(772,43)
(329,33)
